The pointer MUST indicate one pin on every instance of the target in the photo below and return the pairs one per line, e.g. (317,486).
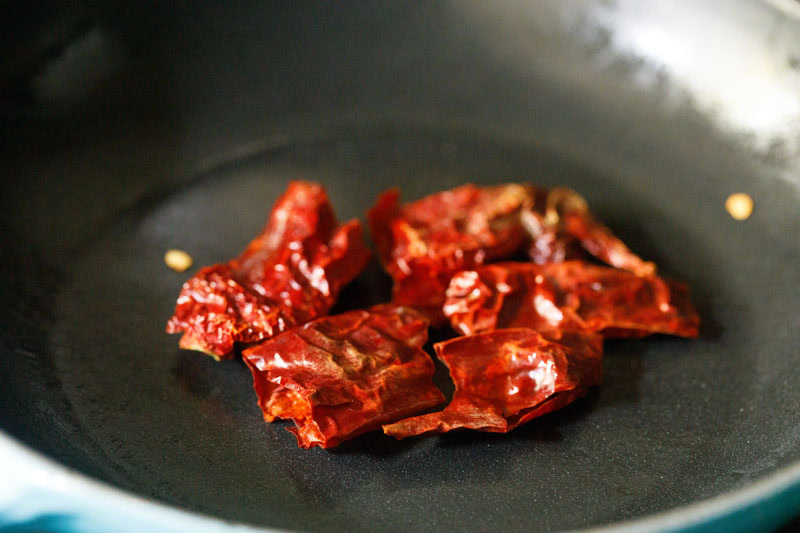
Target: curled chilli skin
(343,375)
(570,296)
(423,243)
(561,227)
(289,274)
(506,377)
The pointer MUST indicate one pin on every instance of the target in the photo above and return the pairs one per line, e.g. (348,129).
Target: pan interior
(675,421)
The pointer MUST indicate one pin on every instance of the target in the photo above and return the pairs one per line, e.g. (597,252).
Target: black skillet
(128,130)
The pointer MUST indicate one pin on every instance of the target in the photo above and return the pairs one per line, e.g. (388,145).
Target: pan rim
(67,487)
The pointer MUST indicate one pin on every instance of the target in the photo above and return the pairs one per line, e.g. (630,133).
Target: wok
(131,129)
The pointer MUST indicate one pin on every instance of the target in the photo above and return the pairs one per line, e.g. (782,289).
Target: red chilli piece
(561,227)
(343,375)
(506,377)
(423,243)
(289,274)
(570,296)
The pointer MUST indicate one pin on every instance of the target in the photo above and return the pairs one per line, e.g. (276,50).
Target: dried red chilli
(569,296)
(343,375)
(289,274)
(506,377)
(533,330)
(423,243)
(562,228)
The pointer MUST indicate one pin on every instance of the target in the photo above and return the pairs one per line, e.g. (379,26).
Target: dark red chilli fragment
(423,243)
(562,228)
(570,296)
(289,274)
(506,377)
(343,375)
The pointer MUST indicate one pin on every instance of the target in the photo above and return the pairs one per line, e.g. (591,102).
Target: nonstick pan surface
(90,378)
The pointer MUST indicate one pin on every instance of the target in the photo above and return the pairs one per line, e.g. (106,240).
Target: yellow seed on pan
(739,205)
(178,260)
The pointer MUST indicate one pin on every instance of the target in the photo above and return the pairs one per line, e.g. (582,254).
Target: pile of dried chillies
(532,330)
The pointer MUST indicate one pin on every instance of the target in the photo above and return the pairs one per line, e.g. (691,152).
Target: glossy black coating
(191,122)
